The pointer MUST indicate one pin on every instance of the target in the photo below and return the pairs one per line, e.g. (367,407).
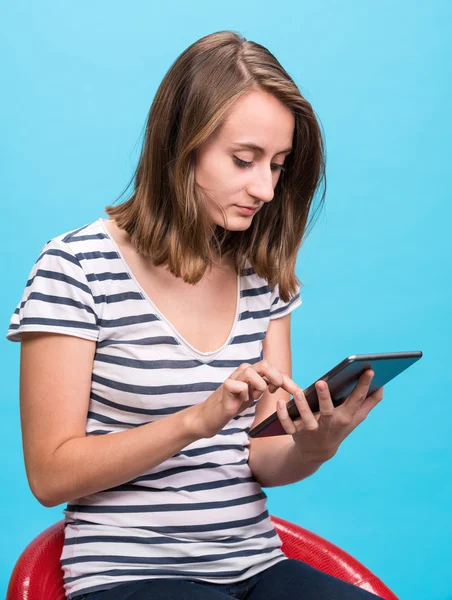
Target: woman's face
(221,170)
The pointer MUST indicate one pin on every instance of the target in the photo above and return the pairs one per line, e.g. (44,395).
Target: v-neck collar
(197,353)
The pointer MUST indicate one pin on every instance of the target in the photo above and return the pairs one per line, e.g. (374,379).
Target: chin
(235,226)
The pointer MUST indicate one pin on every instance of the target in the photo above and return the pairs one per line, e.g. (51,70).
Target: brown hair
(166,216)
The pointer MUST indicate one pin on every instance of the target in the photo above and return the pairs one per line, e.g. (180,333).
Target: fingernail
(280,404)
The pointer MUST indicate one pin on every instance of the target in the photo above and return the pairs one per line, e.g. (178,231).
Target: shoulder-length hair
(166,216)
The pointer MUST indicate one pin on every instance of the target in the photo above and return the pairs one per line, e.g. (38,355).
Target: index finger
(274,378)
(277,379)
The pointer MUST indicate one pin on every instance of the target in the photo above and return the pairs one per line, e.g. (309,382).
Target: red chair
(38,575)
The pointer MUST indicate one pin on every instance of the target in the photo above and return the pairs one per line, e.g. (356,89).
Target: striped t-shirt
(199,515)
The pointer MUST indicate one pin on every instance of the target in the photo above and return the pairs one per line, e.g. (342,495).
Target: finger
(272,375)
(326,406)
(255,394)
(276,378)
(239,369)
(306,415)
(369,403)
(239,392)
(256,384)
(273,378)
(239,372)
(359,393)
(289,426)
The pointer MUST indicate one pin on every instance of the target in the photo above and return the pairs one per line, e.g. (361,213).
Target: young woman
(152,341)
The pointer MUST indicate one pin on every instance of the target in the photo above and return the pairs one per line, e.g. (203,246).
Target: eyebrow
(252,146)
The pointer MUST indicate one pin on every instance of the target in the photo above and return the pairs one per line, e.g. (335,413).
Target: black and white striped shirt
(200,514)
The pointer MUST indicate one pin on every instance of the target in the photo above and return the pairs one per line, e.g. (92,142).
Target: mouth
(247,210)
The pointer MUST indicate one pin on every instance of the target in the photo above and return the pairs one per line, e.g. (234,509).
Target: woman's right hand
(245,385)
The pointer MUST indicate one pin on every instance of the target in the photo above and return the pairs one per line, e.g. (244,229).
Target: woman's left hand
(318,436)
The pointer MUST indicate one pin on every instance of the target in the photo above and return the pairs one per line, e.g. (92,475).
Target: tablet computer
(341,380)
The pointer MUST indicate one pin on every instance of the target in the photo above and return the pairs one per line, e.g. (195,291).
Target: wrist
(191,423)
(311,459)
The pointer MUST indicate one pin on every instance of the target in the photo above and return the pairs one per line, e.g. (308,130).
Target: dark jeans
(289,579)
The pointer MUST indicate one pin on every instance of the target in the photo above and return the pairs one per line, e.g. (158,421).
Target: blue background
(78,81)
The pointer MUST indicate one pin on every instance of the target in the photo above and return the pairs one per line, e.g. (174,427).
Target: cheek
(208,171)
(219,175)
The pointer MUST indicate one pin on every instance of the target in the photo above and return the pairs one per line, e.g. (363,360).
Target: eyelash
(243,163)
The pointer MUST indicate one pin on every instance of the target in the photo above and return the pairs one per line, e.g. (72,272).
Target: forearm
(276,461)
(86,465)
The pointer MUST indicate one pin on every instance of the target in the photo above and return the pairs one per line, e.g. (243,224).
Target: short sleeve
(278,308)
(57,297)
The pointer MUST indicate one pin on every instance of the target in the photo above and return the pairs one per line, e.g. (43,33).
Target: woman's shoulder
(84,236)
(79,245)
(58,294)
(253,280)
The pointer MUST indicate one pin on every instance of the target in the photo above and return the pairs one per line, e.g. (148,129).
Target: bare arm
(61,462)
(275,460)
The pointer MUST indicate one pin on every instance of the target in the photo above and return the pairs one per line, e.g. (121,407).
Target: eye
(243,164)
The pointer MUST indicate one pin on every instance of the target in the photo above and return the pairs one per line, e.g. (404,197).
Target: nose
(262,185)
